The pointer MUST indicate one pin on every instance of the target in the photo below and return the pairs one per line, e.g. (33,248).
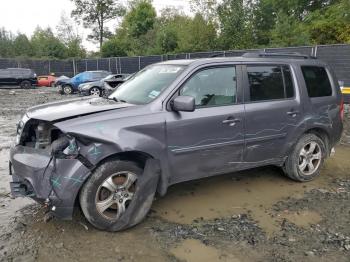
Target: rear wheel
(52,84)
(95,91)
(306,160)
(107,195)
(25,84)
(67,90)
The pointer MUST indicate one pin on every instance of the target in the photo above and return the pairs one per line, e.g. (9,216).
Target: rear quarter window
(317,81)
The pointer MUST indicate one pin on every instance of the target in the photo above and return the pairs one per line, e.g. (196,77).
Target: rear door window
(317,81)
(4,73)
(268,82)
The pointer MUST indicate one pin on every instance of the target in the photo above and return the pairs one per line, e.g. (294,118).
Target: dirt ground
(256,215)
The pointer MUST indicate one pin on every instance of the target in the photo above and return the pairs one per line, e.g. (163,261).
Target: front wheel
(95,91)
(306,160)
(109,192)
(67,90)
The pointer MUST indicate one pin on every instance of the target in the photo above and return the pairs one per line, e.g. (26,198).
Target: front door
(209,140)
(273,112)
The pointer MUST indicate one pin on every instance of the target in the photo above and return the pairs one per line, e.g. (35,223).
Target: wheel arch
(136,156)
(322,134)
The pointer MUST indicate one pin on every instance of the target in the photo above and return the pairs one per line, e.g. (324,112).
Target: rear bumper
(34,175)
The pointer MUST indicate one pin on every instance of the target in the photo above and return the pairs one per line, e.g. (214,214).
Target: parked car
(25,78)
(48,80)
(71,85)
(172,122)
(60,80)
(103,87)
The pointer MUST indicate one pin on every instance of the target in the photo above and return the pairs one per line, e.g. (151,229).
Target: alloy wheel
(95,91)
(115,194)
(310,158)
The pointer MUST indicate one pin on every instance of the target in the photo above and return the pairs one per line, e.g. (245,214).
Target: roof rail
(217,54)
(278,55)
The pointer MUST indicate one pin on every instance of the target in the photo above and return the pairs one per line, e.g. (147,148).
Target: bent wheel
(115,194)
(110,192)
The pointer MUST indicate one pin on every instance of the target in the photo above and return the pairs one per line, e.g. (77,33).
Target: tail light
(342,109)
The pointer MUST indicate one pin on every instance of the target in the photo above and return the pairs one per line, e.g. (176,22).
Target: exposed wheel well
(136,156)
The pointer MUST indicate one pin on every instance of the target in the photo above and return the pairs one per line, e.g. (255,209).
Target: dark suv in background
(25,78)
(172,122)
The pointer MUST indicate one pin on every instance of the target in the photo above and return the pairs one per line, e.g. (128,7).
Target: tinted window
(270,82)
(317,81)
(212,87)
(4,73)
(20,72)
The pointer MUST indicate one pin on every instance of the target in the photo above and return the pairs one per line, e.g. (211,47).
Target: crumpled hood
(72,108)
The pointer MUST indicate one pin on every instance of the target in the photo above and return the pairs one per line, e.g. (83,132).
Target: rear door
(209,140)
(273,111)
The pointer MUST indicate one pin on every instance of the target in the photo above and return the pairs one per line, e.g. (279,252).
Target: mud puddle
(192,250)
(253,192)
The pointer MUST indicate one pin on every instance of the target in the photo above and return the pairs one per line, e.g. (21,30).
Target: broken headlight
(20,126)
(65,147)
(72,150)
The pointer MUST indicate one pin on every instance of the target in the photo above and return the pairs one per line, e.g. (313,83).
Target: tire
(95,197)
(95,91)
(25,84)
(67,90)
(306,160)
(52,84)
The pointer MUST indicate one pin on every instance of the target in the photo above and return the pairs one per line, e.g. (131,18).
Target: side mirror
(183,103)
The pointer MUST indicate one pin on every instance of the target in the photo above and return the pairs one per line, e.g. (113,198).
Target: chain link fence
(338,56)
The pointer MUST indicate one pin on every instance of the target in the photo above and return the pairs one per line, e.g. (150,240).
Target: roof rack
(278,55)
(217,54)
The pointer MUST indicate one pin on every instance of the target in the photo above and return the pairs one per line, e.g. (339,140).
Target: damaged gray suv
(172,122)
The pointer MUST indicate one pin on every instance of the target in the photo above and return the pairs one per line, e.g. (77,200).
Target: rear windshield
(317,81)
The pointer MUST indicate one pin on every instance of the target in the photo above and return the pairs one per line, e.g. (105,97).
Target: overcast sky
(24,15)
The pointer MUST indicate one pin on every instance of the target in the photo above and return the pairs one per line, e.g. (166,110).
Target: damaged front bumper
(55,182)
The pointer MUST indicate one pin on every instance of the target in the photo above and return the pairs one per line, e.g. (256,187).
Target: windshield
(147,84)
(78,76)
(108,77)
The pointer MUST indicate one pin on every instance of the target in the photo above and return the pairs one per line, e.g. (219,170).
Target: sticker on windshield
(169,70)
(153,94)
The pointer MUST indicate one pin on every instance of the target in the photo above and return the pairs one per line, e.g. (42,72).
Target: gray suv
(172,122)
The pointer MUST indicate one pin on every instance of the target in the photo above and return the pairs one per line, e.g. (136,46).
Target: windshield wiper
(116,100)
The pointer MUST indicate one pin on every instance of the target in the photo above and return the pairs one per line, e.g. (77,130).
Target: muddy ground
(257,215)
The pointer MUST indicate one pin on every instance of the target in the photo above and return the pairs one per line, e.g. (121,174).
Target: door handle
(293,113)
(231,121)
